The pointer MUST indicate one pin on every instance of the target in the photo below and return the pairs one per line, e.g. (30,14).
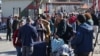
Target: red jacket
(16,41)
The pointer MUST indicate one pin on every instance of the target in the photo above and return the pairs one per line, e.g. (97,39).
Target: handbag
(56,44)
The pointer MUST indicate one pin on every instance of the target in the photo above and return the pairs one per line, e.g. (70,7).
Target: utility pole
(88,3)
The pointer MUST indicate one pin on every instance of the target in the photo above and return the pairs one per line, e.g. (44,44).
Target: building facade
(15,7)
(28,7)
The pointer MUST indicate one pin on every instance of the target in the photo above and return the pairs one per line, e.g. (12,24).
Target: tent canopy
(85,6)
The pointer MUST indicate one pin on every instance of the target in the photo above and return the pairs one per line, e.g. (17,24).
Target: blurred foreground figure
(82,42)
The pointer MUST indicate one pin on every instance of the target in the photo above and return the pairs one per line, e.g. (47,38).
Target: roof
(66,3)
(85,6)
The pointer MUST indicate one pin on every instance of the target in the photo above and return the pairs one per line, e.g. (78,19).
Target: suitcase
(39,49)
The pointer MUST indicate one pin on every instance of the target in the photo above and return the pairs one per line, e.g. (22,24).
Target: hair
(28,20)
(81,18)
(60,14)
(21,21)
(8,20)
(88,16)
(48,15)
(43,16)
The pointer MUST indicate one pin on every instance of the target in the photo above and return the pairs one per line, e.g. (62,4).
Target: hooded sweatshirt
(83,40)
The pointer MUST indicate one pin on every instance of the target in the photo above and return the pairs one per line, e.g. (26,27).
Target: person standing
(14,24)
(46,24)
(27,35)
(50,20)
(40,29)
(16,41)
(8,30)
(47,27)
(83,41)
(72,21)
(96,24)
(61,26)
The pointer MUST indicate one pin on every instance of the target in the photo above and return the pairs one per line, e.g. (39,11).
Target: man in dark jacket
(15,22)
(28,35)
(84,37)
(61,26)
(8,30)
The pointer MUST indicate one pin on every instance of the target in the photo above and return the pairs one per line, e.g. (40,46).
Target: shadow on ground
(2,39)
(9,53)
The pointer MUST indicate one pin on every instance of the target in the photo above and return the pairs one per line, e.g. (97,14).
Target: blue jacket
(28,35)
(83,40)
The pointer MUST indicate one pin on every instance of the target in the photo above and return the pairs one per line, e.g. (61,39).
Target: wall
(7,6)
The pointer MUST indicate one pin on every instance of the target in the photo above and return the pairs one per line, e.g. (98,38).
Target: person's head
(88,16)
(43,16)
(28,20)
(8,19)
(53,15)
(39,20)
(15,17)
(65,15)
(81,18)
(72,14)
(48,17)
(21,23)
(59,16)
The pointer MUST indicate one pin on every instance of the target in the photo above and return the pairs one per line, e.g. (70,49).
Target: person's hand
(56,36)
(14,44)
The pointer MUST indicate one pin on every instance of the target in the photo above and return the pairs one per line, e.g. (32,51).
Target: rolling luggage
(39,49)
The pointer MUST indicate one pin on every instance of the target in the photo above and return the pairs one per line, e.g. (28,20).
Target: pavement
(7,48)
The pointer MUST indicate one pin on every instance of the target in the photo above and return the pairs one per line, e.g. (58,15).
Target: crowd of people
(56,32)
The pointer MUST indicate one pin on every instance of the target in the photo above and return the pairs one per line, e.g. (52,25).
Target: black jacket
(95,19)
(68,34)
(61,28)
(8,24)
(14,25)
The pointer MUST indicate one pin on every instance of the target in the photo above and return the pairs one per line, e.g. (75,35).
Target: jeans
(27,51)
(8,34)
(19,52)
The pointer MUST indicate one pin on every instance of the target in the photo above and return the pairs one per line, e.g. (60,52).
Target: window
(61,0)
(16,11)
